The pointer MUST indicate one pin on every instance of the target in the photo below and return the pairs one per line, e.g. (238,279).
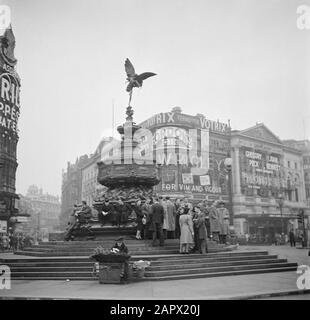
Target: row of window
(295,165)
(7,177)
(8,145)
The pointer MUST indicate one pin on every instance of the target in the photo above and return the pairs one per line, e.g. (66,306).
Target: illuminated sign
(261,171)
(9,101)
(175,118)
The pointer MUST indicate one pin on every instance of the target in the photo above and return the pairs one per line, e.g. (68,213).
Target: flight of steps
(61,261)
(85,248)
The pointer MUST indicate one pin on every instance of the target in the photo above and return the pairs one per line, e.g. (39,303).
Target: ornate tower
(9,114)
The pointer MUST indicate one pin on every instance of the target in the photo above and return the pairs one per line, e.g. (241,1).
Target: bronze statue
(135,80)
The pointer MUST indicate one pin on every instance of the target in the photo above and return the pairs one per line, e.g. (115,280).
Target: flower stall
(111,266)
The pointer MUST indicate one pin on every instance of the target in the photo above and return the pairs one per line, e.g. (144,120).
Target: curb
(269,295)
(245,297)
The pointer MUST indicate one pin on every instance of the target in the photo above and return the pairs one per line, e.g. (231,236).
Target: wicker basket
(110,272)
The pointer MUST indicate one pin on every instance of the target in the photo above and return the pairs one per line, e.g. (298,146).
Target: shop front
(266,229)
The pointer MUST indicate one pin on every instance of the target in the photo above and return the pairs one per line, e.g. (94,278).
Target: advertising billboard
(191,155)
(261,171)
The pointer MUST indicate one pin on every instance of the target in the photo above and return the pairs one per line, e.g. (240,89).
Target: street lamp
(228,166)
(281,203)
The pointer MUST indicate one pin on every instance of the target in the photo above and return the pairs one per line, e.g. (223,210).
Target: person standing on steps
(223,215)
(147,212)
(194,215)
(139,214)
(171,213)
(214,222)
(187,231)
(178,205)
(157,222)
(201,229)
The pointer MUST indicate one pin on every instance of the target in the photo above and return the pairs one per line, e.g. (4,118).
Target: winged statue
(135,80)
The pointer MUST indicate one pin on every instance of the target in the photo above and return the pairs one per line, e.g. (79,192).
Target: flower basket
(138,268)
(103,255)
(109,266)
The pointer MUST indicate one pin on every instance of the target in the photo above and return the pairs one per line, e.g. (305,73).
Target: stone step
(163,273)
(168,253)
(198,265)
(222,273)
(89,266)
(164,266)
(178,277)
(88,253)
(208,258)
(192,259)
(186,274)
(106,246)
(132,249)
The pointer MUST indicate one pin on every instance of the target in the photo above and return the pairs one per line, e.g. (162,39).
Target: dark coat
(214,220)
(138,210)
(147,212)
(107,207)
(122,248)
(86,212)
(201,227)
(157,213)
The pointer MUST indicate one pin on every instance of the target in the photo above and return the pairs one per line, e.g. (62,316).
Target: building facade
(9,114)
(40,213)
(46,209)
(90,185)
(71,189)
(304,147)
(268,183)
(191,151)
(265,188)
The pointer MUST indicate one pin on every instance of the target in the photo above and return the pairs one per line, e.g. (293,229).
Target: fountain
(126,177)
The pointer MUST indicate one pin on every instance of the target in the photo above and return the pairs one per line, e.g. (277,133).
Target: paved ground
(232,287)
(290,297)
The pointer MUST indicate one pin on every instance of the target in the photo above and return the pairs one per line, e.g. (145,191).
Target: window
(288,164)
(296,195)
(296,167)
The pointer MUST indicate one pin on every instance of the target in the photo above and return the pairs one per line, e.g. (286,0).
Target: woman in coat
(201,229)
(187,231)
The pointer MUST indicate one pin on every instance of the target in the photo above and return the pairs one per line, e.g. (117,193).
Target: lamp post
(281,203)
(228,166)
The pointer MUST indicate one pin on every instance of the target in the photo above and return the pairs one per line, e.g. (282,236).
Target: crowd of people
(160,218)
(14,241)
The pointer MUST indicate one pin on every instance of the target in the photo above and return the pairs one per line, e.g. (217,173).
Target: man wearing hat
(223,216)
(214,221)
(120,246)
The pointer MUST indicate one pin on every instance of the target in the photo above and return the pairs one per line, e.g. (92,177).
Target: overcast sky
(242,60)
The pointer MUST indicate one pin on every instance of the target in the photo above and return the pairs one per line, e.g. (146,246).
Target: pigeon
(135,80)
